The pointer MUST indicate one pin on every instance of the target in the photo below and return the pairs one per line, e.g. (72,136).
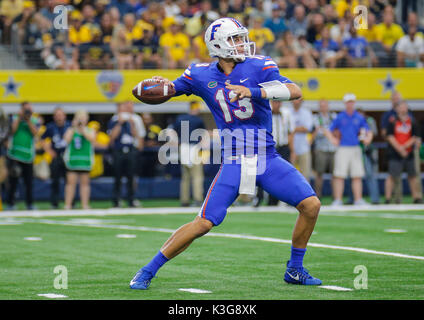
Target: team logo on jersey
(212,84)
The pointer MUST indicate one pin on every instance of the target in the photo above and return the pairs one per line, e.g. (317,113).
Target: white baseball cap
(349,97)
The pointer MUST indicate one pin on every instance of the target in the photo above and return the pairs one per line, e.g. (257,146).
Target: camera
(27,113)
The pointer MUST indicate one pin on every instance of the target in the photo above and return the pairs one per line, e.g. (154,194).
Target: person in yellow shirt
(175,45)
(79,33)
(9,9)
(348,5)
(100,146)
(388,32)
(261,35)
(370,33)
(200,51)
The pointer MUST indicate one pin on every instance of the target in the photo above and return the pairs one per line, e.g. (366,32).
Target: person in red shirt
(401,135)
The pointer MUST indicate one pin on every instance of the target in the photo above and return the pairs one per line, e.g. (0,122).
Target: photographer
(125,138)
(21,153)
(55,131)
(79,158)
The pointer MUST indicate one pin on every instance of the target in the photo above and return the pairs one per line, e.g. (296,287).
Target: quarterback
(237,88)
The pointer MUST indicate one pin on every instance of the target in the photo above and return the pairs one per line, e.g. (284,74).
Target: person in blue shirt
(357,51)
(56,148)
(123,135)
(237,89)
(326,51)
(276,22)
(351,128)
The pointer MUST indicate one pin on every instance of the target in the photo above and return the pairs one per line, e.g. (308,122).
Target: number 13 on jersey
(246,108)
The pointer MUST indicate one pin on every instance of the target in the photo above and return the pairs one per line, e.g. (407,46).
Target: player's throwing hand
(159,78)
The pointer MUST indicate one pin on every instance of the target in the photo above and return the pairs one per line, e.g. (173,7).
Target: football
(153,91)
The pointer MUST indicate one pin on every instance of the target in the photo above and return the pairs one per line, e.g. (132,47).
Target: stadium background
(26,75)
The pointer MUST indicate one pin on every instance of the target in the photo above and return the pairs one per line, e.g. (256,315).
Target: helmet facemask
(234,45)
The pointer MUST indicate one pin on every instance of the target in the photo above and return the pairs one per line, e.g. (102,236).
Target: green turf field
(242,259)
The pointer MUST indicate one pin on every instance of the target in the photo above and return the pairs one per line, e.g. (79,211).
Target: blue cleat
(141,280)
(300,276)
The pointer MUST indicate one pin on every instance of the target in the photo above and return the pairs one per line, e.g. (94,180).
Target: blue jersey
(249,119)
(349,127)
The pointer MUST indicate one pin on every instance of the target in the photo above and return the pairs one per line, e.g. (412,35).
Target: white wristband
(276,90)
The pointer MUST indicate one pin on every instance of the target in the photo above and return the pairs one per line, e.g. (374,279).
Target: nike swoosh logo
(294,278)
(150,87)
(241,81)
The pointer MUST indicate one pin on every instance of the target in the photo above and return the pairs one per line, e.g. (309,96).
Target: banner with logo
(114,85)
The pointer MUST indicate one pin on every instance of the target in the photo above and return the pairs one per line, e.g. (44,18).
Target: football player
(237,89)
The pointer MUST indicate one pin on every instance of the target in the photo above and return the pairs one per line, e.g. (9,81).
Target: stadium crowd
(135,34)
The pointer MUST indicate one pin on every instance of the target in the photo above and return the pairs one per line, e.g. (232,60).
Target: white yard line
(226,235)
(340,211)
(193,290)
(51,295)
(336,288)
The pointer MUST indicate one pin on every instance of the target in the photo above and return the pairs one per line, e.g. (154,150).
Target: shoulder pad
(263,62)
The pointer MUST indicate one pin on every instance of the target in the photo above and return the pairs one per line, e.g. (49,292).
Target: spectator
(42,159)
(312,6)
(21,153)
(125,38)
(148,51)
(286,51)
(353,129)
(370,154)
(78,157)
(303,50)
(192,169)
(401,135)
(326,50)
(316,25)
(283,127)
(340,31)
(330,14)
(175,45)
(298,24)
(388,118)
(412,21)
(123,134)
(410,49)
(369,33)
(4,134)
(357,51)
(101,145)
(276,22)
(96,54)
(123,6)
(323,149)
(9,10)
(79,32)
(388,33)
(262,36)
(301,157)
(55,147)
(236,9)
(149,154)
(200,51)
